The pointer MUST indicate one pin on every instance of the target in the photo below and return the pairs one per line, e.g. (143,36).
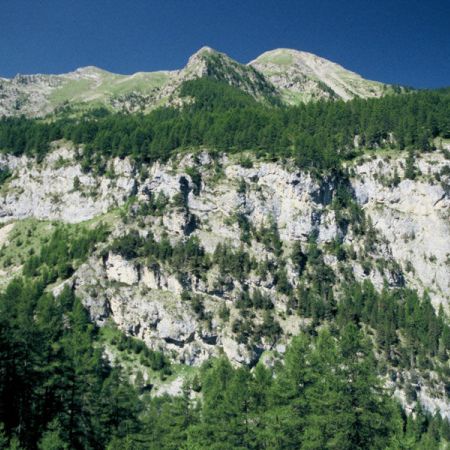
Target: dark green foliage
(212,95)
(65,247)
(235,262)
(20,135)
(331,408)
(270,329)
(224,313)
(186,256)
(197,305)
(270,238)
(256,299)
(5,173)
(314,298)
(147,357)
(298,258)
(56,390)
(326,395)
(245,227)
(410,169)
(222,73)
(128,245)
(246,162)
(76,183)
(196,179)
(54,385)
(179,200)
(190,254)
(317,135)
(154,206)
(261,300)
(242,187)
(394,314)
(281,282)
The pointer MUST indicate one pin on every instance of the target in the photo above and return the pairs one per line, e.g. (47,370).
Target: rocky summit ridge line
(290,76)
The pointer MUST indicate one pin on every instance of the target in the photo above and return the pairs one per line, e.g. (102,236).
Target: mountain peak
(285,57)
(304,76)
(203,52)
(280,56)
(198,61)
(89,70)
(211,63)
(205,49)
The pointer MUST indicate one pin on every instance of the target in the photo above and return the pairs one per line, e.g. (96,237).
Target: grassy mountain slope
(301,76)
(286,76)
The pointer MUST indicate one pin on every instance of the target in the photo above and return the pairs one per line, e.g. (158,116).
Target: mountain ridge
(293,260)
(301,77)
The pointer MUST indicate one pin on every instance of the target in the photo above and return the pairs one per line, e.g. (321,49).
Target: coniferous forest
(316,135)
(58,391)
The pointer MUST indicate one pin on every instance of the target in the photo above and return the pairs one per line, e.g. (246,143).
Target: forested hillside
(236,281)
(220,117)
(58,392)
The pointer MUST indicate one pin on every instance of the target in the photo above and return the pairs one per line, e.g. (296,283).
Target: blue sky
(397,41)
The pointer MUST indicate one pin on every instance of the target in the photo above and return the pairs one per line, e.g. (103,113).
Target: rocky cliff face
(58,189)
(413,217)
(409,222)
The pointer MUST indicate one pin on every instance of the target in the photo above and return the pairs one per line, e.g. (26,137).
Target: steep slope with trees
(227,272)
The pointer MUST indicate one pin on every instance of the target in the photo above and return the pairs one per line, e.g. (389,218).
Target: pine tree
(51,439)
(285,418)
(373,417)
(79,381)
(226,409)
(410,165)
(328,420)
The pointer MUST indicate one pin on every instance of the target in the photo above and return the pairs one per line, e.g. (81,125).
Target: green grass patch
(282,58)
(24,240)
(97,92)
(71,90)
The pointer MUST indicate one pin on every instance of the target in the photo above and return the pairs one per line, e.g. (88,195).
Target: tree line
(316,135)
